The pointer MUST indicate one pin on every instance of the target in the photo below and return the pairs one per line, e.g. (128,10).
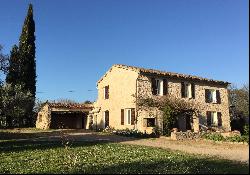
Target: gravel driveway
(231,151)
(238,152)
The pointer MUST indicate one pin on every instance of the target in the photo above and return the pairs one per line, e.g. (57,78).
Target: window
(106,92)
(106,118)
(214,118)
(187,90)
(159,86)
(128,116)
(212,96)
(149,122)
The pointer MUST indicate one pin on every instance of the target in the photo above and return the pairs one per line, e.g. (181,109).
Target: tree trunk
(9,122)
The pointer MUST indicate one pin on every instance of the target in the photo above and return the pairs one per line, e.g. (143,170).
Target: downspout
(136,108)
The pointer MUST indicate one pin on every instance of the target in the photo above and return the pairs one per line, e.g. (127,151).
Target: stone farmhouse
(120,88)
(117,103)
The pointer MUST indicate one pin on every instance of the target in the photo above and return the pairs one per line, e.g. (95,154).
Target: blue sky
(77,41)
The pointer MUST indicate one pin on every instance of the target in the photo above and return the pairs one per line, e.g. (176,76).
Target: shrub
(213,136)
(246,130)
(219,137)
(135,133)
(169,121)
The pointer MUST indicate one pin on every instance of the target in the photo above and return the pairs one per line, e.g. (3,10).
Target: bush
(238,139)
(133,133)
(219,137)
(169,120)
(213,136)
(246,130)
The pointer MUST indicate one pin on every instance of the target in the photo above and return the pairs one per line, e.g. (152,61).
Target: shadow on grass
(10,134)
(188,166)
(13,141)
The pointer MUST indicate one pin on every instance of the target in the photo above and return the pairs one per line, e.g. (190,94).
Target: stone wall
(174,90)
(185,135)
(44,118)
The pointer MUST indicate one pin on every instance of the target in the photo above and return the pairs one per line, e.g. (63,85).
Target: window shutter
(122,116)
(107,91)
(132,116)
(218,97)
(165,87)
(208,118)
(219,119)
(153,86)
(183,90)
(193,90)
(207,95)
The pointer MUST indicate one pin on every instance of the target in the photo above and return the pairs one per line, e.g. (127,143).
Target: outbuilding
(63,116)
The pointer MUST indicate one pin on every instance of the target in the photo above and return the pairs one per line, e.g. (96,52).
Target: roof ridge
(141,69)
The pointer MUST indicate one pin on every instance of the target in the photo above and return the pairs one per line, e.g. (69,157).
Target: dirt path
(230,151)
(238,152)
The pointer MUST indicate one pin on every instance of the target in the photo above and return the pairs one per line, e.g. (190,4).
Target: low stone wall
(185,135)
(196,135)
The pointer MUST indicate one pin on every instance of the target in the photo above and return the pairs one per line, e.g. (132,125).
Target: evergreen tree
(27,53)
(13,75)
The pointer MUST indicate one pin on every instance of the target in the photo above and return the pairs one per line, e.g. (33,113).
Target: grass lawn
(100,157)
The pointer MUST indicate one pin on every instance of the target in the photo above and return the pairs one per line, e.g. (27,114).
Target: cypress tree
(13,75)
(27,53)
(28,63)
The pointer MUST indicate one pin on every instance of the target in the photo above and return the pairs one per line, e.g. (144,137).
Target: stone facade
(127,83)
(44,117)
(48,110)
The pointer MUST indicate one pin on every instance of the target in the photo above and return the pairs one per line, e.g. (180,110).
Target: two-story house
(119,88)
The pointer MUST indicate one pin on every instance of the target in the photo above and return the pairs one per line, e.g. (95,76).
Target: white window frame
(188,90)
(214,96)
(214,118)
(159,87)
(128,117)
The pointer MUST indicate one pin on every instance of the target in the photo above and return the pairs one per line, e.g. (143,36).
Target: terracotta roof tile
(170,74)
(70,105)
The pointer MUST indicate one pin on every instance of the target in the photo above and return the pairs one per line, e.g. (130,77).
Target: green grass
(100,157)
